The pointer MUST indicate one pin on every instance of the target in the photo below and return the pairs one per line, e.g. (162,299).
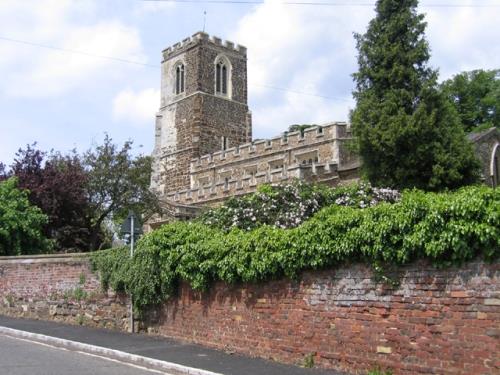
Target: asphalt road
(20,357)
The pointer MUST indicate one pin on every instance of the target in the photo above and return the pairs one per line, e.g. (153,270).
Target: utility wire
(313,3)
(125,61)
(117,59)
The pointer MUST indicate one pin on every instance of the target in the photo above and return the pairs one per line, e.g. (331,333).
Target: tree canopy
(117,183)
(83,196)
(476,97)
(21,224)
(56,184)
(408,134)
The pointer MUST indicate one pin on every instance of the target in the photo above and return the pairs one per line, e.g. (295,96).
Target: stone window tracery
(179,79)
(222,76)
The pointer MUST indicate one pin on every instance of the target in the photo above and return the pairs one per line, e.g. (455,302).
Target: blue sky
(66,100)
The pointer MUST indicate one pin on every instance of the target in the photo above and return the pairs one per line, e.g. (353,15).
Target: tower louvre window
(222,76)
(225,143)
(179,79)
(224,79)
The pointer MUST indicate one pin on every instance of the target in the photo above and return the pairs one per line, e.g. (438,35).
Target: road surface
(21,357)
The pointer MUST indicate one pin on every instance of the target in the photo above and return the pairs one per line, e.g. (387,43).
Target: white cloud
(305,49)
(463,39)
(146,7)
(298,108)
(312,49)
(136,107)
(32,71)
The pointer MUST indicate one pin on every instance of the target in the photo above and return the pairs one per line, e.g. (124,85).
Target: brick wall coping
(43,258)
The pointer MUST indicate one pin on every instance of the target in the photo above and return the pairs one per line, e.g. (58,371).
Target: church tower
(203,107)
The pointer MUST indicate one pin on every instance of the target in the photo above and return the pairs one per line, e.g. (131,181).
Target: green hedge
(443,228)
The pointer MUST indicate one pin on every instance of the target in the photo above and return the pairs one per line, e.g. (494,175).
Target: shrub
(442,228)
(289,205)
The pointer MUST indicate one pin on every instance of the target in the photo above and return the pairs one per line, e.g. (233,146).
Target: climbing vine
(442,228)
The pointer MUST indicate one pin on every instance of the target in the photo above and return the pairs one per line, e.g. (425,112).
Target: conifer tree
(408,134)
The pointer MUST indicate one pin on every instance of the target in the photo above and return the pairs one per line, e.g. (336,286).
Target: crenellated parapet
(204,115)
(220,188)
(318,154)
(295,141)
(201,37)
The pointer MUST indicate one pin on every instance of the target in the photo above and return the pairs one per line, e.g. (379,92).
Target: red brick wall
(434,321)
(445,322)
(61,288)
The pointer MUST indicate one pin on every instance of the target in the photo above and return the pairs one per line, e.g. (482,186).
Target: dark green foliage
(21,223)
(442,228)
(408,134)
(84,195)
(112,267)
(476,97)
(56,184)
(117,182)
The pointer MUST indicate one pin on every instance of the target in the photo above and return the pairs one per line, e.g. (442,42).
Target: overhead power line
(126,61)
(315,3)
(117,59)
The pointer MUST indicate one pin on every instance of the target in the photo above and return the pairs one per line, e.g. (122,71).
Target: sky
(101,73)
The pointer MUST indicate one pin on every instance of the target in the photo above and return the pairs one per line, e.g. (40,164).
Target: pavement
(159,353)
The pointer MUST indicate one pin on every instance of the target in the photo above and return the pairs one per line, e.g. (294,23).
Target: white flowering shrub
(367,196)
(289,205)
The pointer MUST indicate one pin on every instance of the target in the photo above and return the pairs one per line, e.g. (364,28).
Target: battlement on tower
(200,38)
(203,150)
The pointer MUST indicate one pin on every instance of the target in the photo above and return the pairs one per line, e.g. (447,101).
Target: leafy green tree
(21,224)
(56,184)
(117,182)
(476,96)
(408,134)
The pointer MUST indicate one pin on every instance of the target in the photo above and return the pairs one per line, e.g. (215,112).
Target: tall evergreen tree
(408,134)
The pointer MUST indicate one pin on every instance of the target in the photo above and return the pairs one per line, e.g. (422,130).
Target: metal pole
(131,313)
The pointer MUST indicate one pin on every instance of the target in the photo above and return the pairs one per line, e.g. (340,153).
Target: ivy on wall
(442,228)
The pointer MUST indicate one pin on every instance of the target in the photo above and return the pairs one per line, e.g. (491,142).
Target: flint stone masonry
(207,126)
(193,122)
(319,154)
(434,322)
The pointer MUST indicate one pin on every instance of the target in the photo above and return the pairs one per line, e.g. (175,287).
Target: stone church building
(204,151)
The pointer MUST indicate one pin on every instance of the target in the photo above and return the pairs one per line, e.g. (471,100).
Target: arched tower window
(222,76)
(179,79)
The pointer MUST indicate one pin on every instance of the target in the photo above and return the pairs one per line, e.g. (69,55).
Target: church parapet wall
(221,189)
(314,155)
(258,148)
